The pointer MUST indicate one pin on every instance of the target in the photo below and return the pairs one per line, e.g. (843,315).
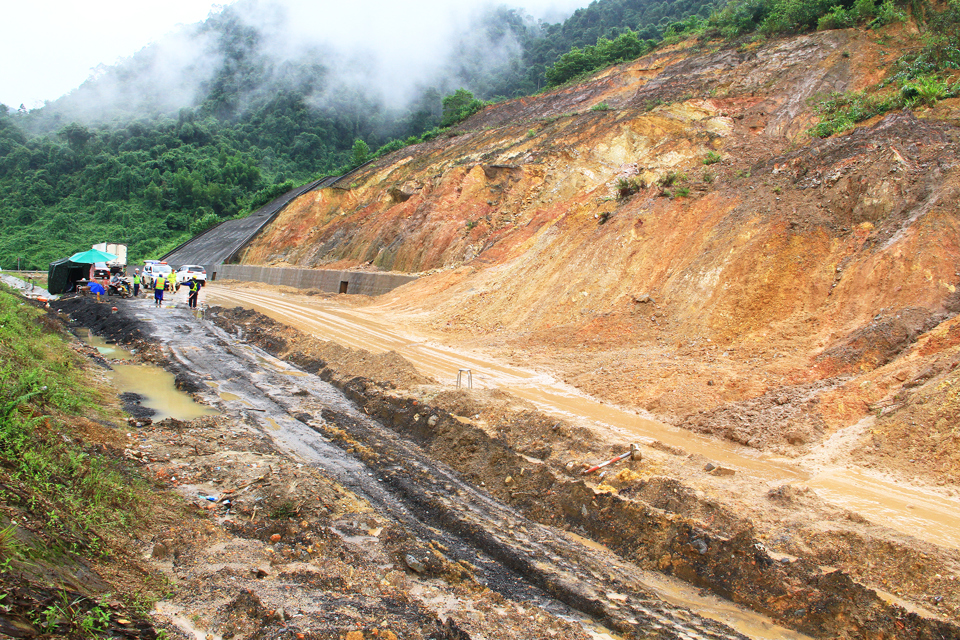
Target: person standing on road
(194,292)
(158,285)
(136,283)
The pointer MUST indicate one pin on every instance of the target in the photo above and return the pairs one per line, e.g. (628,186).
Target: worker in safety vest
(194,292)
(158,285)
(136,283)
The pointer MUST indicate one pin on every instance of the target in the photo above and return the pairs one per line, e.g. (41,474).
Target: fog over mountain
(390,53)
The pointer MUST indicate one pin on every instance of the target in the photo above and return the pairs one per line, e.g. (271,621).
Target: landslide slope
(791,289)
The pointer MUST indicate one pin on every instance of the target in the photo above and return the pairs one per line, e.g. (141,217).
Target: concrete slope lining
(221,243)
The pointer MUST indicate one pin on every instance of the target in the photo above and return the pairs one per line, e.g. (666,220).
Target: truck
(119,250)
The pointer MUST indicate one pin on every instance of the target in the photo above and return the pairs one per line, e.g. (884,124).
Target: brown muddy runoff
(155,388)
(915,511)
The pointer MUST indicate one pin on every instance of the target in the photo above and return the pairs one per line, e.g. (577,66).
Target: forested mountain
(163,146)
(230,112)
(212,122)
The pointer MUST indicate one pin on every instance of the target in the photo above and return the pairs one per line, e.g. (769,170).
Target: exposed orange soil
(792,262)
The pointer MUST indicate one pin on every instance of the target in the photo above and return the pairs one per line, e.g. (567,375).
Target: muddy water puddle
(108,350)
(155,386)
(681,594)
(746,622)
(158,392)
(226,396)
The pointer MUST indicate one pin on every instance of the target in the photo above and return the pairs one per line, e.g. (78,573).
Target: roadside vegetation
(64,503)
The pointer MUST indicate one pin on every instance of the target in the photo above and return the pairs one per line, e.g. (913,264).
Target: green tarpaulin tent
(62,276)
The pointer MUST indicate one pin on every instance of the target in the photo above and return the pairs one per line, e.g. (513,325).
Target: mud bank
(533,462)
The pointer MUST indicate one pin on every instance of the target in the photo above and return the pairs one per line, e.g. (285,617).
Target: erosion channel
(470,516)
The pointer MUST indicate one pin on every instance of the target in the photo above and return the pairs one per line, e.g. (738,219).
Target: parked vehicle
(121,288)
(119,250)
(152,269)
(188,271)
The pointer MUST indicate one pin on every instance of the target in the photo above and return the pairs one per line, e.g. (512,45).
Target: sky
(49,48)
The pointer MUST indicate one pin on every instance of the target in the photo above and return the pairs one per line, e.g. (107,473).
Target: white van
(188,271)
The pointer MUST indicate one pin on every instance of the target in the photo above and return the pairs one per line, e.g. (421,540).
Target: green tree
(459,106)
(361,152)
(205,222)
(76,135)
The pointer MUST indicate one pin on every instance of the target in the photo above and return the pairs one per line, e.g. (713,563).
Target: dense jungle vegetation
(151,176)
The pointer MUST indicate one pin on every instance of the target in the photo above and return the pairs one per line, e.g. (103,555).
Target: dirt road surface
(352,493)
(453,550)
(918,511)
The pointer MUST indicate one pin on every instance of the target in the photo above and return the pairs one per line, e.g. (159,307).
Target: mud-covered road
(514,556)
(910,509)
(500,506)
(521,560)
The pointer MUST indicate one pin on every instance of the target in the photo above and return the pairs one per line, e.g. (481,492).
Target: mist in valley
(384,57)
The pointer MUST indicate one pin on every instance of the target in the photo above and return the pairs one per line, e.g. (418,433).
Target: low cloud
(162,78)
(389,51)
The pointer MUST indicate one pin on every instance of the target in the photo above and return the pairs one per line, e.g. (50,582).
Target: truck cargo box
(119,250)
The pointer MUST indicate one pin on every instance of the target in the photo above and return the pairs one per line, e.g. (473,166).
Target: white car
(188,271)
(152,269)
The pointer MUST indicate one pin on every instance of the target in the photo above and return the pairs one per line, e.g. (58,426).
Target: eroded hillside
(759,284)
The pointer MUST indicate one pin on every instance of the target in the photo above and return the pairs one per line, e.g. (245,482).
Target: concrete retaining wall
(361,282)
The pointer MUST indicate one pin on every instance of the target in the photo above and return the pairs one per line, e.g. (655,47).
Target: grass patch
(671,178)
(841,112)
(284,511)
(81,497)
(627,187)
(73,615)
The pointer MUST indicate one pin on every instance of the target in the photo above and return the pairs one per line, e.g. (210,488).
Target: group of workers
(168,283)
(159,284)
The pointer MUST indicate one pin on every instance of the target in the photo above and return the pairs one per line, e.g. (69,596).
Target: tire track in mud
(909,510)
(734,565)
(516,556)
